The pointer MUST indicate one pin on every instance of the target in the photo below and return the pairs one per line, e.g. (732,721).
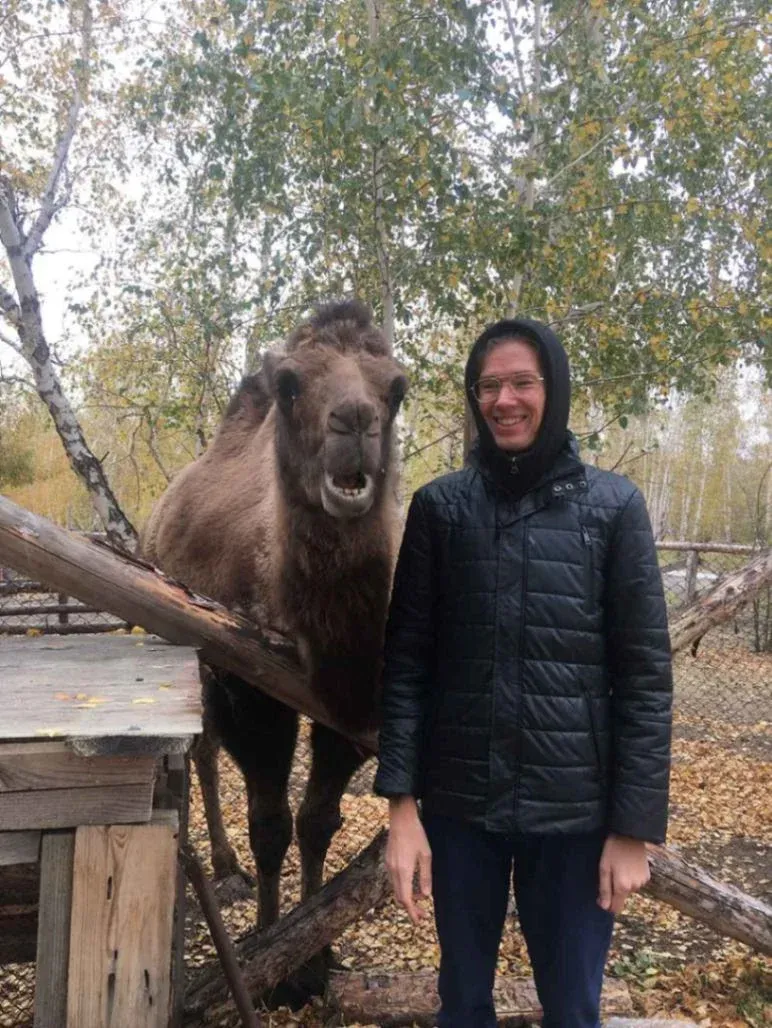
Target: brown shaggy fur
(292,516)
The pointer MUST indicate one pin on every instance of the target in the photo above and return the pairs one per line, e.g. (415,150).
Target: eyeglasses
(489,388)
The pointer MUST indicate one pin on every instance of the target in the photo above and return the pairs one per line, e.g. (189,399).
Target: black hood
(519,471)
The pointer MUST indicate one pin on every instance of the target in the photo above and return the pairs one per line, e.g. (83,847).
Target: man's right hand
(406,850)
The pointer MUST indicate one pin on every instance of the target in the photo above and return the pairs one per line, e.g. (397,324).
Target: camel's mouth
(347,495)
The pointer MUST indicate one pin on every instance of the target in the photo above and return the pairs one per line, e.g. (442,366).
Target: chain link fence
(726,675)
(33,608)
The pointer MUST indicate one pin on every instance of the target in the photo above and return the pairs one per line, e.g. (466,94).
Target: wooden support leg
(53,948)
(179,787)
(124,886)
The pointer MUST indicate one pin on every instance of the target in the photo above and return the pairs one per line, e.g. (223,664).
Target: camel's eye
(287,386)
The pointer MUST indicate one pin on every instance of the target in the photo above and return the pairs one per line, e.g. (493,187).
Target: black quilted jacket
(527,685)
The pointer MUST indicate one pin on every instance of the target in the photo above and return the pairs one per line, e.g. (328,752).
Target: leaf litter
(721,818)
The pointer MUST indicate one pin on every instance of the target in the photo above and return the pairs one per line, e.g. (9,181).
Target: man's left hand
(624,868)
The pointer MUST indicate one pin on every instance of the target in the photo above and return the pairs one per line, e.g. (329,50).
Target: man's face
(513,413)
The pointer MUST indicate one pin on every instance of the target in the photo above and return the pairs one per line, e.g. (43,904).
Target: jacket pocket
(593,732)
(588,582)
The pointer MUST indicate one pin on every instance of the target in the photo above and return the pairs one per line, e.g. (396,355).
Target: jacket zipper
(589,570)
(521,672)
(593,731)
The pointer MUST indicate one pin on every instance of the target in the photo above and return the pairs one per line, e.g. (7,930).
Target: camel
(291,516)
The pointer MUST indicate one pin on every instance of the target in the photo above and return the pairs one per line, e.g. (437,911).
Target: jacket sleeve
(641,679)
(409,660)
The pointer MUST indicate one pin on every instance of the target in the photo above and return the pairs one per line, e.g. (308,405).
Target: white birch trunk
(529,198)
(695,530)
(23,312)
(374,8)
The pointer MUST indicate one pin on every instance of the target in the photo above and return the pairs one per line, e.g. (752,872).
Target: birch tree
(31,197)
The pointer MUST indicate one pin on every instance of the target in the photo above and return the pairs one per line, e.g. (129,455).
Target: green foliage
(597,166)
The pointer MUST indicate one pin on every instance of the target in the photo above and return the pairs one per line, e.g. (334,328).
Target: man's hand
(406,850)
(624,868)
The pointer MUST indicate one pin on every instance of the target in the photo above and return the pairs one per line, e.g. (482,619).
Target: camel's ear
(251,400)
(270,360)
(397,391)
(282,378)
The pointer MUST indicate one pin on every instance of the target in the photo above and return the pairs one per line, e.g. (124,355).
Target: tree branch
(8,304)
(49,205)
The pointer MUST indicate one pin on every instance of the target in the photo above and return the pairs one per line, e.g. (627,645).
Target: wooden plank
(106,685)
(130,745)
(412,999)
(19,848)
(124,884)
(23,770)
(67,808)
(53,948)
(178,781)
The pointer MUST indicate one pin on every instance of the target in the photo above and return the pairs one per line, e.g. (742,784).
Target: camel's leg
(224,860)
(334,761)
(205,756)
(260,734)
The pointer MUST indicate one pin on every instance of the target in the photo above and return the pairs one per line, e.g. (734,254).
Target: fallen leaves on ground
(721,818)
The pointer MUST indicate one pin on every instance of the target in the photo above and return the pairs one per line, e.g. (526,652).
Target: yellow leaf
(50,732)
(138,630)
(145,699)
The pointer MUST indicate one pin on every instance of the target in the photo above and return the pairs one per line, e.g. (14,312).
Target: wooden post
(692,564)
(53,948)
(124,884)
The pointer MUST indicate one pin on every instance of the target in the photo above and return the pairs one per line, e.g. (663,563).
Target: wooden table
(94,733)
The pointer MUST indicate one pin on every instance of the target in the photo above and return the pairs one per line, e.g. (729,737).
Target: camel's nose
(353,416)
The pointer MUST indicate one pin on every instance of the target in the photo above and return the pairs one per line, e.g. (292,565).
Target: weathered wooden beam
(53,942)
(142,595)
(722,602)
(19,848)
(724,908)
(683,545)
(124,881)
(396,1000)
(230,966)
(267,957)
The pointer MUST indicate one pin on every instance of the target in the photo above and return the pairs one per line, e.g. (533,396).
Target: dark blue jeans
(566,932)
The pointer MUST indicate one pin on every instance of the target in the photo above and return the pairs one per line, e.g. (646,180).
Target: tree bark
(374,15)
(230,967)
(720,906)
(722,602)
(268,957)
(392,1000)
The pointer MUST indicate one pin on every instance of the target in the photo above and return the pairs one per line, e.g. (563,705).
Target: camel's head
(337,390)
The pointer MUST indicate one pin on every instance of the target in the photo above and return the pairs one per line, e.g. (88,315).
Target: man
(527,693)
